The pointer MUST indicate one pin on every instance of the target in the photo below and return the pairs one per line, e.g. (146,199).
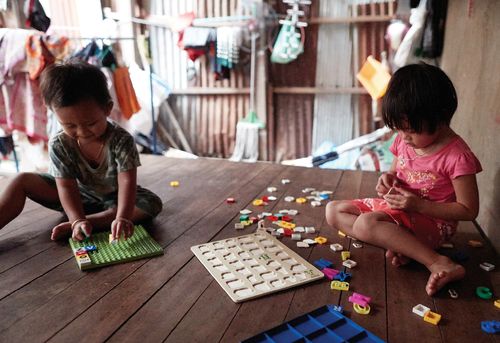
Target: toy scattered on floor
(357,245)
(361,309)
(426,314)
(324,324)
(336,247)
(230,200)
(254,265)
(453,294)
(99,253)
(174,183)
(492,326)
(339,285)
(484,293)
(285,181)
(360,299)
(447,245)
(497,303)
(487,266)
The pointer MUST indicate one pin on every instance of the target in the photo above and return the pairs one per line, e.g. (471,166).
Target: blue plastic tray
(321,325)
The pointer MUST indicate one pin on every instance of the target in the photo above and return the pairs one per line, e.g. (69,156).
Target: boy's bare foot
(443,271)
(62,230)
(397,259)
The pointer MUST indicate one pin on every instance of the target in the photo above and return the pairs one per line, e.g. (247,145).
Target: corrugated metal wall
(209,121)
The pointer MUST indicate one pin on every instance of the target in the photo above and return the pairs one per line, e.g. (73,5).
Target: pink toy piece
(329,272)
(359,299)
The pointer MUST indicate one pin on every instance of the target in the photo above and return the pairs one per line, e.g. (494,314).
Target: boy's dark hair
(68,83)
(419,97)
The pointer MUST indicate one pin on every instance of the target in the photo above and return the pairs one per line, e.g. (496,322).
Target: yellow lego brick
(341,233)
(174,183)
(339,285)
(345,255)
(285,225)
(432,317)
(320,240)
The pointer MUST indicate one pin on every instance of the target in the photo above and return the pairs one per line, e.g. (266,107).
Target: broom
(246,147)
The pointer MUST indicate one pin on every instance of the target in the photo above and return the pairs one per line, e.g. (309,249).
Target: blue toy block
(492,326)
(338,308)
(323,263)
(325,324)
(324,196)
(90,248)
(342,276)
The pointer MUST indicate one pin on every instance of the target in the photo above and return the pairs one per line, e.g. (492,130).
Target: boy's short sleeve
(125,152)
(61,161)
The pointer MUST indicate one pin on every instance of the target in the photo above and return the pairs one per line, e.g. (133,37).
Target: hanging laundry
(229,41)
(433,36)
(179,23)
(6,145)
(38,56)
(196,40)
(35,15)
(125,92)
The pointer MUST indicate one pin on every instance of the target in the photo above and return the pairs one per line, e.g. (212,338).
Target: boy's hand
(384,183)
(122,225)
(81,230)
(405,200)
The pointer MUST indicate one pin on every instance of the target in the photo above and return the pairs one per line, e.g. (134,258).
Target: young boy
(93,162)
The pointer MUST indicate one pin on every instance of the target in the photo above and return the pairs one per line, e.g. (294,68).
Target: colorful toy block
(453,294)
(140,245)
(174,183)
(487,266)
(342,276)
(339,285)
(323,263)
(289,199)
(345,255)
(302,245)
(492,326)
(420,310)
(432,317)
(330,273)
(320,240)
(361,309)
(230,200)
(484,293)
(310,229)
(336,247)
(357,245)
(341,233)
(497,303)
(475,244)
(349,264)
(360,299)
(301,200)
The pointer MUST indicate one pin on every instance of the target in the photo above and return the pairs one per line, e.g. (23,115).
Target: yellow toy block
(341,233)
(320,240)
(432,317)
(497,303)
(174,183)
(301,200)
(339,285)
(258,202)
(345,255)
(361,309)
(285,225)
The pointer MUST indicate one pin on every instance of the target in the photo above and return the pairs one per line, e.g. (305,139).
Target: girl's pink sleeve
(465,163)
(394,146)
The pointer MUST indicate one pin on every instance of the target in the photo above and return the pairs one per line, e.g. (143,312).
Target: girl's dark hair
(68,83)
(419,97)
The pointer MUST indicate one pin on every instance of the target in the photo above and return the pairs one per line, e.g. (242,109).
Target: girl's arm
(69,195)
(466,207)
(127,187)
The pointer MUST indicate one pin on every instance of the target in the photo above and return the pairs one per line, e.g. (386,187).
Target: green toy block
(140,245)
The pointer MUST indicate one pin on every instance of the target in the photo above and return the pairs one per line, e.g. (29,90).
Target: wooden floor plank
(246,324)
(141,286)
(65,311)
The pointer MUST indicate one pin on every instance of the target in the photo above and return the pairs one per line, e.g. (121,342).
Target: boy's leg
(100,221)
(24,185)
(375,228)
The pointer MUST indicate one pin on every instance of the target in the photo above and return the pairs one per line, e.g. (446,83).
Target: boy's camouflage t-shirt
(120,154)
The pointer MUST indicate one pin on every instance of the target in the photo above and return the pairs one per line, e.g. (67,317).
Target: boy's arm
(69,195)
(127,187)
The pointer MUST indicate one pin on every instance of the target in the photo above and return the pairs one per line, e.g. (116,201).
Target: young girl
(431,184)
(93,162)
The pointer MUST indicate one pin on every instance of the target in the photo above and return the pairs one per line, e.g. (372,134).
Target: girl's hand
(122,225)
(384,183)
(81,229)
(406,200)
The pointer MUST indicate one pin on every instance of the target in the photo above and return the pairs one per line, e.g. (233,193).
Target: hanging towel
(38,56)
(35,15)
(125,92)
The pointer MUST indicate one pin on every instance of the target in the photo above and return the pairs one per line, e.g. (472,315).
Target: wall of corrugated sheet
(209,121)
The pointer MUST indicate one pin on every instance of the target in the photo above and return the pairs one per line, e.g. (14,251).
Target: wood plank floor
(172,298)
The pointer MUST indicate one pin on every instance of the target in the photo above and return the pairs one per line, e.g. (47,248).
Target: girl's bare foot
(443,271)
(62,230)
(397,259)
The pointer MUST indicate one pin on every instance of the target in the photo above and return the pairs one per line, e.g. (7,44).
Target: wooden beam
(346,20)
(319,90)
(210,91)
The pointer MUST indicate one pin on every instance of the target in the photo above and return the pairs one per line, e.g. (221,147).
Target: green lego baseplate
(140,245)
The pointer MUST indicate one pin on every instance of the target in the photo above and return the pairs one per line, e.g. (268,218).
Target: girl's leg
(100,221)
(375,228)
(24,185)
(342,215)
